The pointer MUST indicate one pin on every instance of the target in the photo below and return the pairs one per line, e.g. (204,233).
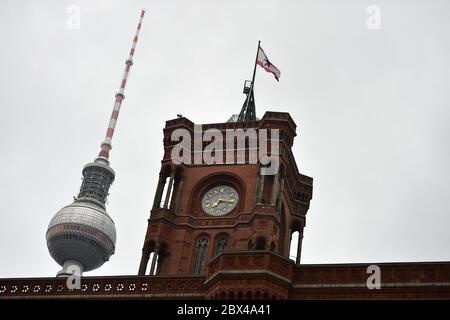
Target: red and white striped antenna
(120,96)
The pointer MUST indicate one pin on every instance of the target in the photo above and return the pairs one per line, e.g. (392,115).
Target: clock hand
(215,204)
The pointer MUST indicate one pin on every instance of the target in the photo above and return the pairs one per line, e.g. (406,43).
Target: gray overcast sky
(372,109)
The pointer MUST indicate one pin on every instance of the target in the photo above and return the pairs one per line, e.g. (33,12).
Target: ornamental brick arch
(297,225)
(213,180)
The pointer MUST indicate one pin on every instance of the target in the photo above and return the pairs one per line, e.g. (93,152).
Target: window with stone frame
(200,255)
(222,244)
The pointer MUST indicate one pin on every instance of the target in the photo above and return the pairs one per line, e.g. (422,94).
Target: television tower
(82,234)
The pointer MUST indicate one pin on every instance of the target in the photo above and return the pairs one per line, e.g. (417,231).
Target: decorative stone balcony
(252,275)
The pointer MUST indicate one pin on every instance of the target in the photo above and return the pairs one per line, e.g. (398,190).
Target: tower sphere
(81,232)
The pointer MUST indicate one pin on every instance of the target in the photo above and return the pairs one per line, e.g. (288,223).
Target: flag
(264,62)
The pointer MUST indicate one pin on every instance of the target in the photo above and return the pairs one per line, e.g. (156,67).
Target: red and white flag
(264,62)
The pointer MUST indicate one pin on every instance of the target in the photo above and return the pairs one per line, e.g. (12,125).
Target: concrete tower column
(71,267)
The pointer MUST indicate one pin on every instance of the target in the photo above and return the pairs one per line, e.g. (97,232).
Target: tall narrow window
(165,190)
(222,243)
(153,265)
(293,246)
(200,255)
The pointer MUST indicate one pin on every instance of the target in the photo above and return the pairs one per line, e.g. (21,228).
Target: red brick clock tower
(202,210)
(223,231)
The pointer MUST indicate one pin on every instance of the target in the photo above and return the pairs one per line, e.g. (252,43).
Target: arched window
(293,246)
(222,243)
(260,243)
(200,255)
(152,267)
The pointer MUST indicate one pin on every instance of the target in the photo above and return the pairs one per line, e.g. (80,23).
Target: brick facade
(254,239)
(251,275)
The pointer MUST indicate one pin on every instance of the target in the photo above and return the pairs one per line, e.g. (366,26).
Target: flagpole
(254,68)
(253,78)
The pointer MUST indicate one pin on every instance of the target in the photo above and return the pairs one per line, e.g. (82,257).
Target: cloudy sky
(371,105)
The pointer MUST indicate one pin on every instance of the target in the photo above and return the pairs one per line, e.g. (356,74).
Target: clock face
(220,200)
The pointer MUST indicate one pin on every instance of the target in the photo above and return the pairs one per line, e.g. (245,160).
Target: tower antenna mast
(106,145)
